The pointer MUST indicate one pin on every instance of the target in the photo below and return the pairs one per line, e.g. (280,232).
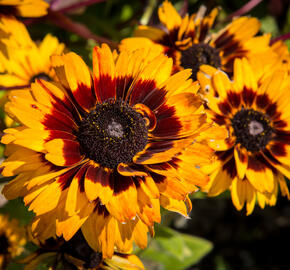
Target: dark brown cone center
(112,133)
(252,129)
(200,54)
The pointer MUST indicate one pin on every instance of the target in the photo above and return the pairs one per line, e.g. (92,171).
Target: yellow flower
(102,151)
(190,43)
(76,254)
(254,159)
(12,240)
(23,60)
(24,8)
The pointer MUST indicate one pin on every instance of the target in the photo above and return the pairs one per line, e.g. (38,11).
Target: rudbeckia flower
(76,254)
(23,60)
(190,43)
(103,151)
(24,8)
(254,159)
(12,240)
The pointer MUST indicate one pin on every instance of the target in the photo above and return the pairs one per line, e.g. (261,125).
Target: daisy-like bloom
(103,153)
(190,43)
(24,8)
(254,159)
(23,60)
(76,254)
(12,240)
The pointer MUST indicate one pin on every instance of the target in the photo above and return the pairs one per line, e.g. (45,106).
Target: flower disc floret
(112,133)
(252,129)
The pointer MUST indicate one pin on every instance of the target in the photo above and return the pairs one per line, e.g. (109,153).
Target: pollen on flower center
(4,244)
(200,54)
(112,133)
(252,129)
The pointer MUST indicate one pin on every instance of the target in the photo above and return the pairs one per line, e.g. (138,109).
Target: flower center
(78,247)
(8,10)
(4,244)
(252,129)
(42,76)
(200,54)
(112,133)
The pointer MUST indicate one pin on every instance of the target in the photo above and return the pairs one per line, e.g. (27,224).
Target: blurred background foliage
(216,236)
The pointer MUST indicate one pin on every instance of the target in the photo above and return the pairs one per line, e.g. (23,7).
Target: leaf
(17,209)
(171,250)
(269,25)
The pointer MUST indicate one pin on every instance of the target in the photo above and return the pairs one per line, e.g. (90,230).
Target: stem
(66,23)
(84,3)
(184,9)
(147,15)
(244,9)
(283,37)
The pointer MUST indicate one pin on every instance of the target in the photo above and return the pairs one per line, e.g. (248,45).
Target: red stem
(66,23)
(184,9)
(244,9)
(79,4)
(283,37)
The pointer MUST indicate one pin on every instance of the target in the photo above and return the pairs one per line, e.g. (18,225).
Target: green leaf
(126,13)
(17,209)
(171,250)
(269,25)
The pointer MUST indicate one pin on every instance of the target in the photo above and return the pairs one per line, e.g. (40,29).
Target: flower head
(22,59)
(254,159)
(103,153)
(190,43)
(24,8)
(76,254)
(12,240)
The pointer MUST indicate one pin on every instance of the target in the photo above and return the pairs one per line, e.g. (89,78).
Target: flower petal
(62,152)
(260,174)
(78,77)
(241,159)
(104,73)
(243,192)
(125,194)
(98,183)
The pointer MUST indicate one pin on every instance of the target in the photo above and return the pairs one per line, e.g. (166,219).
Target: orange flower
(103,153)
(254,159)
(190,43)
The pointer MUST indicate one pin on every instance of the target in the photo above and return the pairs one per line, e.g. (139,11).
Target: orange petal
(62,152)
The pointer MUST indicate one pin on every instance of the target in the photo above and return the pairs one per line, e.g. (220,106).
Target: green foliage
(171,250)
(269,25)
(17,209)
